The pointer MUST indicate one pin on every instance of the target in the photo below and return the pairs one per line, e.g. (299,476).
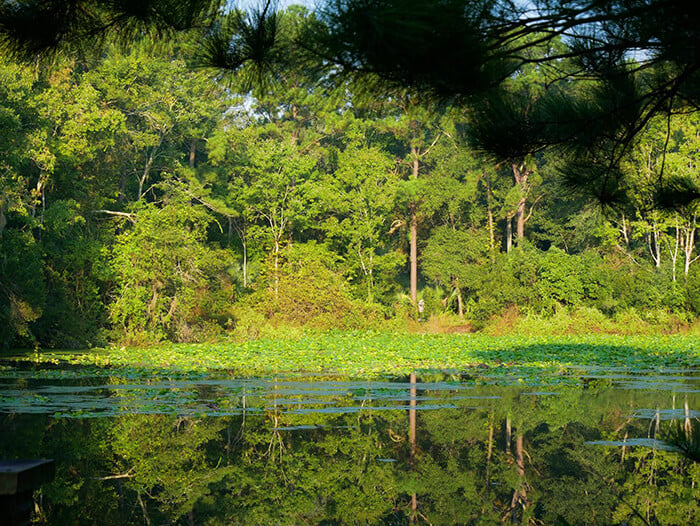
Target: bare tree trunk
(509,234)
(674,253)
(489,212)
(144,510)
(193,152)
(508,434)
(277,273)
(295,131)
(414,235)
(242,231)
(653,244)
(519,458)
(460,304)
(689,244)
(520,176)
(244,245)
(657,245)
(144,176)
(367,271)
(623,230)
(122,187)
(520,222)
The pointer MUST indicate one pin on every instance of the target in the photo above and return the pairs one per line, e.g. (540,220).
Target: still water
(483,446)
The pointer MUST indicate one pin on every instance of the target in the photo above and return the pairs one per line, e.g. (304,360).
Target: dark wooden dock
(18,480)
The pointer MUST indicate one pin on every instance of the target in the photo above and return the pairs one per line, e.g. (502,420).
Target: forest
(144,198)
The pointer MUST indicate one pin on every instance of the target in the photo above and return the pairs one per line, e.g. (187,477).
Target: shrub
(22,287)
(170,284)
(309,288)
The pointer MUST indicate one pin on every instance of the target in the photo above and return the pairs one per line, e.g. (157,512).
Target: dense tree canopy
(610,67)
(142,199)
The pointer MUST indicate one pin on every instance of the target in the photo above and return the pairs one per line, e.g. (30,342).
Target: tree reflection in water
(427,450)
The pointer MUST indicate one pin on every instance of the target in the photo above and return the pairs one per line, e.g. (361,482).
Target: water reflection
(569,447)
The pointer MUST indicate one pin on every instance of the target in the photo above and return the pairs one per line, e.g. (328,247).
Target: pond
(479,446)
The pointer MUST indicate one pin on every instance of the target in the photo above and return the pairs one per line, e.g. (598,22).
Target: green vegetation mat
(371,353)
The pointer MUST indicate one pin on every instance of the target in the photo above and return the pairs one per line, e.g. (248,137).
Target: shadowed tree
(36,28)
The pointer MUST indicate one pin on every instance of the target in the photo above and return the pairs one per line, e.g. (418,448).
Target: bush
(22,287)
(309,289)
(77,279)
(693,289)
(170,284)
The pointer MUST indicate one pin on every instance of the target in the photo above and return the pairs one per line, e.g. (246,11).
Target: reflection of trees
(332,468)
(536,468)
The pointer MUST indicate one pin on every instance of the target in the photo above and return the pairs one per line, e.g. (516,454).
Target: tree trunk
(277,261)
(689,245)
(623,231)
(144,176)
(122,187)
(460,304)
(520,176)
(489,212)
(370,281)
(244,244)
(414,235)
(229,232)
(520,223)
(653,243)
(674,253)
(241,230)
(295,131)
(508,434)
(509,234)
(144,509)
(193,152)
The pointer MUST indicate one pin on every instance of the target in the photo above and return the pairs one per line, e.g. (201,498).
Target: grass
(380,353)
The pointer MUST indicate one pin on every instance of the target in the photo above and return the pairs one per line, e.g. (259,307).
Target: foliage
(77,275)
(456,258)
(21,297)
(359,197)
(143,201)
(308,289)
(169,283)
